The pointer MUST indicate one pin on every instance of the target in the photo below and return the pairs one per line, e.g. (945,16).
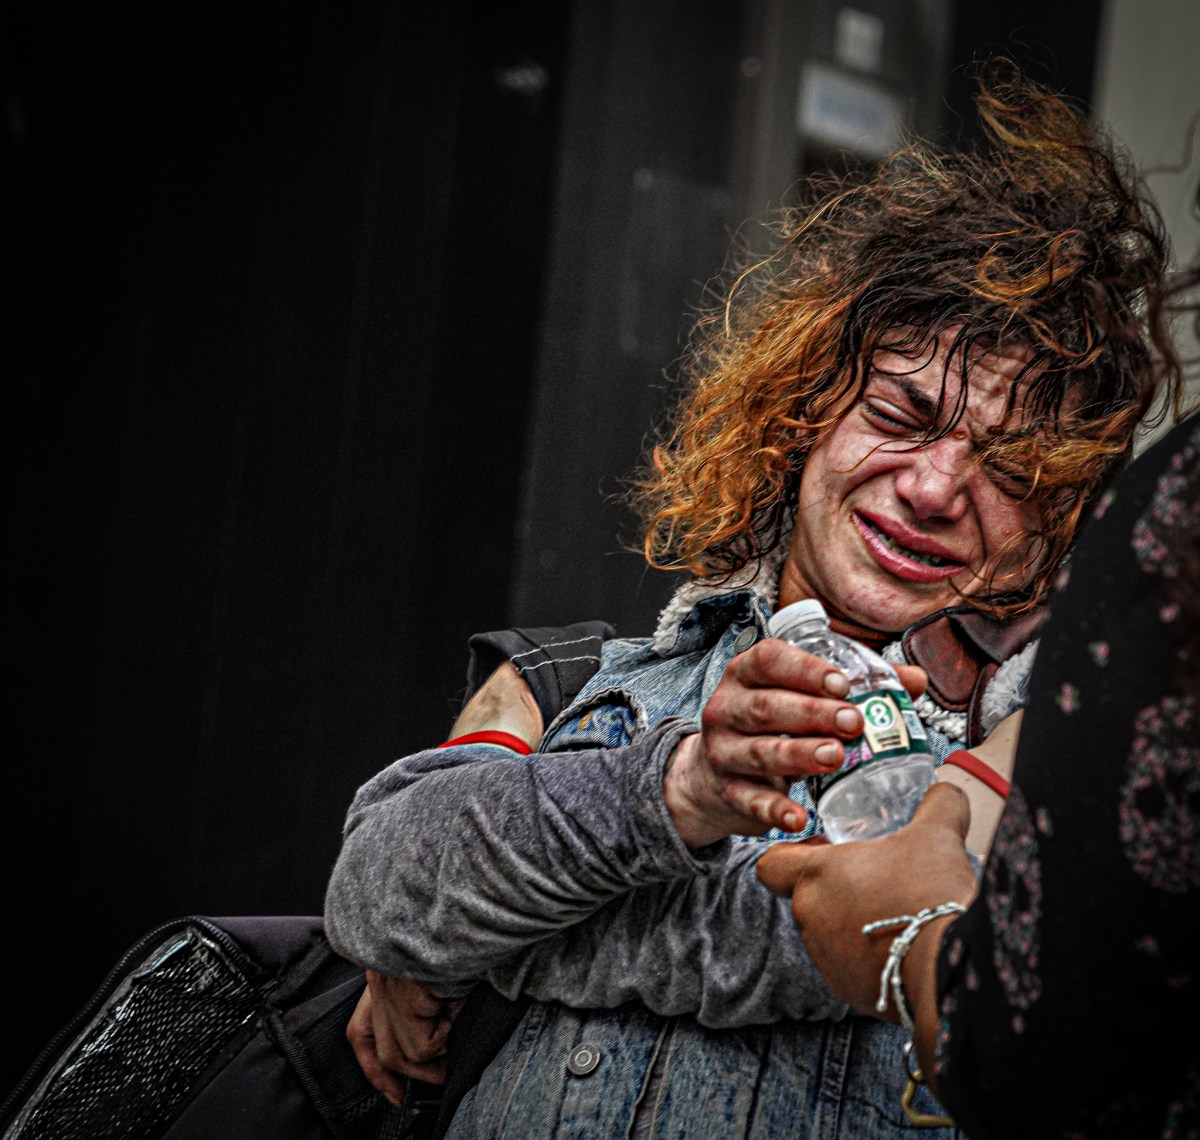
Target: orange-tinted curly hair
(1041,238)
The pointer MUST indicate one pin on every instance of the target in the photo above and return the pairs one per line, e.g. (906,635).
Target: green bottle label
(891,727)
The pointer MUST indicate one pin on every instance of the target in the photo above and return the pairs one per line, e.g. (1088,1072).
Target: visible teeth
(914,555)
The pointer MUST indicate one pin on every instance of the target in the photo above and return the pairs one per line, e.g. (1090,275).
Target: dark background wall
(329,335)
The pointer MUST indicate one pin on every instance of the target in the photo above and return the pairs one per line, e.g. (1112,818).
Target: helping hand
(397,1030)
(776,716)
(837,889)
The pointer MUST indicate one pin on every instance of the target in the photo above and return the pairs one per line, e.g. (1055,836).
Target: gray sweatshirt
(561,875)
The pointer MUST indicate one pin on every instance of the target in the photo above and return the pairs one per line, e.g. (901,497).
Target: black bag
(235,1028)
(214,1029)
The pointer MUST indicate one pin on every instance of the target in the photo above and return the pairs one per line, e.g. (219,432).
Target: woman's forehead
(941,379)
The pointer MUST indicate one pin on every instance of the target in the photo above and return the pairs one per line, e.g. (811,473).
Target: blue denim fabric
(672,1077)
(832,1080)
(636,687)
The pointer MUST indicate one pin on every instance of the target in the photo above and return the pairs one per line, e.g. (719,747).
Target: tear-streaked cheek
(1018,558)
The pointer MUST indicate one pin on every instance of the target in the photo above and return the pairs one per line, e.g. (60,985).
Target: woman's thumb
(944,805)
(781,867)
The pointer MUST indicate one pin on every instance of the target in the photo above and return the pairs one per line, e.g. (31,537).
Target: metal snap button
(583,1060)
(745,639)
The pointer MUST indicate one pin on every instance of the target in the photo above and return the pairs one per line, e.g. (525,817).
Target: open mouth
(891,550)
(914,555)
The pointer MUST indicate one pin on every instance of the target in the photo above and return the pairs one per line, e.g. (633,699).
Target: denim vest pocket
(609,718)
(634,690)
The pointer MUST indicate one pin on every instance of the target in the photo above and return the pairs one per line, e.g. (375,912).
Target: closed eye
(888,418)
(1010,481)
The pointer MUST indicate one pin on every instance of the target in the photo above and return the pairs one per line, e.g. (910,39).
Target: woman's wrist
(692,823)
(918,972)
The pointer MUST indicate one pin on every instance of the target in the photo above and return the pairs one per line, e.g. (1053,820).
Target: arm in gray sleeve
(562,876)
(456,859)
(718,945)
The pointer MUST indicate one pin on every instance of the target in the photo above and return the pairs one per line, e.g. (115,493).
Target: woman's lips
(929,565)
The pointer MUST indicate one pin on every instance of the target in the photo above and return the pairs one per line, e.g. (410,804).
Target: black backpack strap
(555,661)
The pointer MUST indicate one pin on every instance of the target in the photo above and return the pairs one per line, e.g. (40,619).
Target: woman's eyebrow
(928,407)
(934,408)
(922,402)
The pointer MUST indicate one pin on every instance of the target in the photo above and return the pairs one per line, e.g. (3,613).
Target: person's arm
(398,1028)
(836,890)
(510,904)
(716,946)
(667,945)
(998,753)
(455,859)
(504,703)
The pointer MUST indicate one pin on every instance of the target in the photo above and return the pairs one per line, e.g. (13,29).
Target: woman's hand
(398,1030)
(837,889)
(776,716)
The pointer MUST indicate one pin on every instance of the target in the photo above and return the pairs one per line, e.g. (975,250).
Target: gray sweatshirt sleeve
(719,946)
(561,875)
(455,859)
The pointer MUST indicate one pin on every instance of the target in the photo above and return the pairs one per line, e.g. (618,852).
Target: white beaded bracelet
(900,945)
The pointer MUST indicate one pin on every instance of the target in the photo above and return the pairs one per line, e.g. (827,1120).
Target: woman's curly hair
(1042,239)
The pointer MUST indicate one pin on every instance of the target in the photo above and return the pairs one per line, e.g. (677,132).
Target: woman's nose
(933,480)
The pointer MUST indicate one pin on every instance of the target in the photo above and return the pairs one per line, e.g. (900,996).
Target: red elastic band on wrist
(488,736)
(969,762)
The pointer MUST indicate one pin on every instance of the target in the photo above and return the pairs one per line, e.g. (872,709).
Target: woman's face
(889,530)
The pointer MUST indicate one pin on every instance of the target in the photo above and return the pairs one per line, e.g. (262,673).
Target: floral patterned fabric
(1069,991)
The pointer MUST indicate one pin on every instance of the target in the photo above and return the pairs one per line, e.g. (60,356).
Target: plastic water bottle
(888,769)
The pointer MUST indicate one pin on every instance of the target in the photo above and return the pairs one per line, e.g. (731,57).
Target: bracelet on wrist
(491,736)
(890,979)
(984,773)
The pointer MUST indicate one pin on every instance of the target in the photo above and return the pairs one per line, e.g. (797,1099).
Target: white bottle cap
(792,615)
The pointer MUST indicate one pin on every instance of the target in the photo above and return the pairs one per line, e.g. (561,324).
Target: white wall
(1148,91)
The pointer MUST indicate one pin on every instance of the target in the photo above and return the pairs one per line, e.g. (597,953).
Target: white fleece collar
(762,577)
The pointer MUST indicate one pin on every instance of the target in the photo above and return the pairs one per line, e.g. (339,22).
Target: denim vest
(627,1072)
(639,685)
